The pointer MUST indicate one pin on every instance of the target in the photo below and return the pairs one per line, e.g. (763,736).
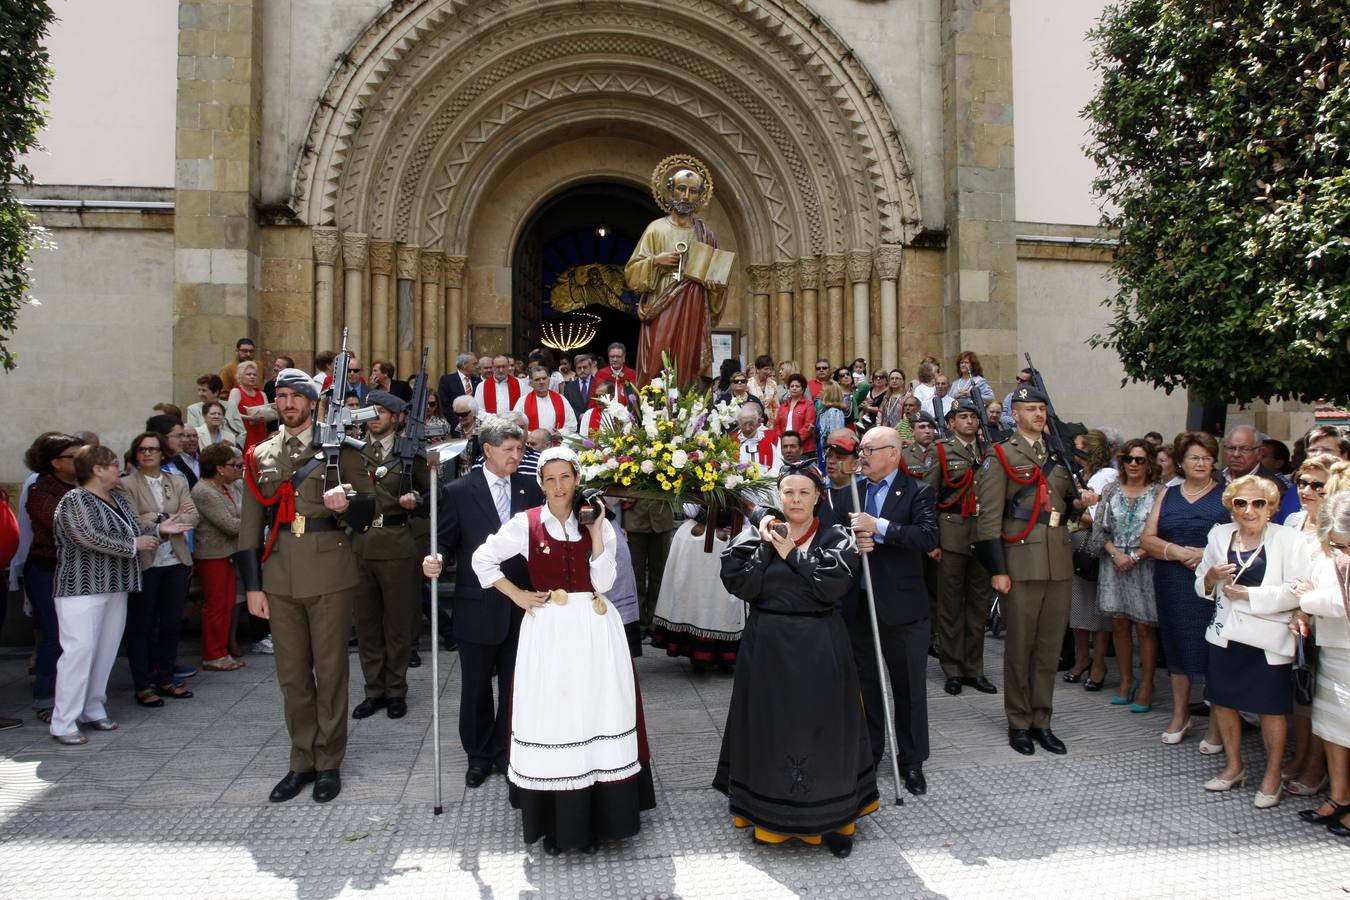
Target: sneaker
(182,671)
(264,646)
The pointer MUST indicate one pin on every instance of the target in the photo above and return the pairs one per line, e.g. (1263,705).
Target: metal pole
(882,674)
(449,450)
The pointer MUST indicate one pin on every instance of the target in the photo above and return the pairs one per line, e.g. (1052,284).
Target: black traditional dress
(795,755)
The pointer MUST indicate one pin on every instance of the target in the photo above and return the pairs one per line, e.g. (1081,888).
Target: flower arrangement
(678,447)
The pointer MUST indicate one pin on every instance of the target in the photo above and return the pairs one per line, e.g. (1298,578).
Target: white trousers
(91,630)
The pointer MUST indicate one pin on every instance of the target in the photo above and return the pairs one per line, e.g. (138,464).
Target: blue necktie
(873,491)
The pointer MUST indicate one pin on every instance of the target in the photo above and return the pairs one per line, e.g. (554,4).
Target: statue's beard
(684,207)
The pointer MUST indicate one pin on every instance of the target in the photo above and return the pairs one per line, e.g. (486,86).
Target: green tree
(1222,134)
(25,74)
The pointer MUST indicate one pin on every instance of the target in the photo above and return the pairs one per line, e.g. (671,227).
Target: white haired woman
(1247,568)
(579,767)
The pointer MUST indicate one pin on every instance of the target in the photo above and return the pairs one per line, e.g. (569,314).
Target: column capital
(406,258)
(454,270)
(888,260)
(784,275)
(327,240)
(354,247)
(835,266)
(381,255)
(808,273)
(859,266)
(759,278)
(430,266)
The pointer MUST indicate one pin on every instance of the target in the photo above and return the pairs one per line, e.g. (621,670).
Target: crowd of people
(1227,564)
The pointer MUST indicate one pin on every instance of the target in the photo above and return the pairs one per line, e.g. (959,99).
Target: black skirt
(1240,678)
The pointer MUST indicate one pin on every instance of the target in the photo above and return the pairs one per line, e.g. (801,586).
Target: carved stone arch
(850,142)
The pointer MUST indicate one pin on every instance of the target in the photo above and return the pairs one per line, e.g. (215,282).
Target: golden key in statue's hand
(681,247)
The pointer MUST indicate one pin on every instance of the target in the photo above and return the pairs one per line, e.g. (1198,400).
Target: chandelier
(566,335)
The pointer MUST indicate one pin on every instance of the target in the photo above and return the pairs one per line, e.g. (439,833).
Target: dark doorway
(580,227)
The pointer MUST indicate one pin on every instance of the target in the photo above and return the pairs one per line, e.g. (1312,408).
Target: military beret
(926,416)
(1028,393)
(965,404)
(298,381)
(383,398)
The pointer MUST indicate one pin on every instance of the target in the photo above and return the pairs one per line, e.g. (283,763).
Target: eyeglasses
(1318,486)
(1199,460)
(1230,449)
(868,451)
(1136,460)
(231,465)
(147,449)
(1242,503)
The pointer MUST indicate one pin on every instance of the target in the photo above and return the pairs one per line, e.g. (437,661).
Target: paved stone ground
(175,805)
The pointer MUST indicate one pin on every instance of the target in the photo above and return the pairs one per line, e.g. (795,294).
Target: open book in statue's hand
(707,265)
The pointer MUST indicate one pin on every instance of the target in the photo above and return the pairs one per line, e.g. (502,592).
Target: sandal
(175,691)
(148,697)
(44,714)
(224,664)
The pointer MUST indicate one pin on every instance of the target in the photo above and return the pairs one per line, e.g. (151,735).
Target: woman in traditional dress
(695,617)
(579,768)
(795,758)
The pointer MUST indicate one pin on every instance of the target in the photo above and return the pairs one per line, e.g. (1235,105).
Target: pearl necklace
(1189,495)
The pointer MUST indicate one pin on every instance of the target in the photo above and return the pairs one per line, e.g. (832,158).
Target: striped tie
(502,497)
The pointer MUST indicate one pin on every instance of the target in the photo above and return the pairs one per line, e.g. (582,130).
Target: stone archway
(439,103)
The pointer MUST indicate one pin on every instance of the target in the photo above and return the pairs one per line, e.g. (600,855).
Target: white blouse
(513,539)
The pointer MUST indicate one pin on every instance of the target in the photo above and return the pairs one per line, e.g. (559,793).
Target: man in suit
(487,624)
(577,392)
(304,579)
(387,606)
(896,527)
(1026,498)
(459,383)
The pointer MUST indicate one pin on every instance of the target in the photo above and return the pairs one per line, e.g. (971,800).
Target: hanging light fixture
(602,230)
(566,335)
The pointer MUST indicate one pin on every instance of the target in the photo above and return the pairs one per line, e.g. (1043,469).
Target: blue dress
(1183,616)
(1239,676)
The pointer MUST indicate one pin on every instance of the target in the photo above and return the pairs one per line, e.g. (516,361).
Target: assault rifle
(1052,427)
(330,433)
(408,444)
(986,429)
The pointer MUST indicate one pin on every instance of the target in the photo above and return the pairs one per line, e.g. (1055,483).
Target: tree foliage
(24,77)
(1221,130)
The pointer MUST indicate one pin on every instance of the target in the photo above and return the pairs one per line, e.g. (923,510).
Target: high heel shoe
(1127,699)
(1268,801)
(1312,817)
(1218,785)
(1071,678)
(1176,737)
(1091,684)
(1209,749)
(1299,789)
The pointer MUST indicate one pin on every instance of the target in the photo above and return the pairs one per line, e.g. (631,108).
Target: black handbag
(1304,678)
(1086,565)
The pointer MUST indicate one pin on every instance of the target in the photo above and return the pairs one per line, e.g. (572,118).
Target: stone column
(406,338)
(808,274)
(860,277)
(217,177)
(834,315)
(327,240)
(784,276)
(432,301)
(354,246)
(454,309)
(758,340)
(888,270)
(381,267)
(980,296)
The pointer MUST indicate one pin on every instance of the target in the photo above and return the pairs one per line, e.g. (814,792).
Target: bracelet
(1165,546)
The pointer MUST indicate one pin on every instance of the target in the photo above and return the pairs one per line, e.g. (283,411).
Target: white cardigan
(1327,602)
(1288,555)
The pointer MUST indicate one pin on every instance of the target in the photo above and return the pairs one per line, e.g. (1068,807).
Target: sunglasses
(1136,460)
(353,368)
(1318,486)
(1242,503)
(738,381)
(822,368)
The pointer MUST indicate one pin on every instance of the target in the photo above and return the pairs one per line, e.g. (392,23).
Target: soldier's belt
(302,525)
(391,520)
(1053,519)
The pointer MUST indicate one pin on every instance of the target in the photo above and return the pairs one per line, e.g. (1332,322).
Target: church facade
(416,172)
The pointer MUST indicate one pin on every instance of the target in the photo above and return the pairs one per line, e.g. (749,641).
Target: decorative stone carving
(887,261)
(326,240)
(354,250)
(784,275)
(454,270)
(381,256)
(808,273)
(431,266)
(759,278)
(836,264)
(859,266)
(407,262)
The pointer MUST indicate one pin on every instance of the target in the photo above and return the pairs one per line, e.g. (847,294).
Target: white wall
(1052,82)
(111,115)
(95,355)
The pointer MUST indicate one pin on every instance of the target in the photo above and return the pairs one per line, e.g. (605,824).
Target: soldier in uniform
(304,579)
(387,609)
(1026,496)
(963,585)
(918,453)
